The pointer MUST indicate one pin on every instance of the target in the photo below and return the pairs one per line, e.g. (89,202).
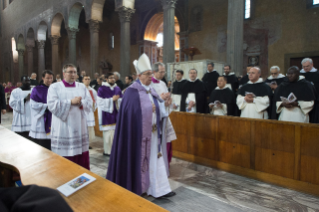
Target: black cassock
(233,81)
(302,89)
(244,80)
(277,80)
(260,90)
(198,88)
(225,96)
(178,86)
(210,81)
(312,77)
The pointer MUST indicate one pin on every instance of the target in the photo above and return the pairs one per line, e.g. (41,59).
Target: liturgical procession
(159,105)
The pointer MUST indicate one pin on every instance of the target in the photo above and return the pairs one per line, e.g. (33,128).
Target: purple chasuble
(39,94)
(105,92)
(131,150)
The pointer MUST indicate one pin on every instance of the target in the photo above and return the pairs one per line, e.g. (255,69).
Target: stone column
(235,35)
(169,31)
(183,42)
(72,45)
(30,60)
(55,55)
(21,65)
(125,18)
(94,45)
(41,57)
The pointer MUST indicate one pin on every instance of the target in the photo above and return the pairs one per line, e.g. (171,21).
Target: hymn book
(272,83)
(215,103)
(176,98)
(76,184)
(291,98)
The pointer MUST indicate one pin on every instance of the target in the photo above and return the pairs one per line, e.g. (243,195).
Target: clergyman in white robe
(90,114)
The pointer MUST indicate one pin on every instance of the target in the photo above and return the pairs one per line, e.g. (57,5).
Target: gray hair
(307,60)
(156,66)
(257,68)
(275,67)
(33,74)
(117,74)
(194,70)
(65,67)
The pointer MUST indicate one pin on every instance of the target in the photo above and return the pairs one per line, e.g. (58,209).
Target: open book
(291,98)
(250,93)
(272,83)
(176,99)
(215,103)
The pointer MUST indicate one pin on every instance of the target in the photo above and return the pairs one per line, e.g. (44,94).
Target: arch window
(247,9)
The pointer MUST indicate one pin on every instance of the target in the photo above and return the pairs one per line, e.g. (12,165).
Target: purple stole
(39,94)
(105,92)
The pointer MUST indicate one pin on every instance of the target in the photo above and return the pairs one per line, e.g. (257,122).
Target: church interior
(220,163)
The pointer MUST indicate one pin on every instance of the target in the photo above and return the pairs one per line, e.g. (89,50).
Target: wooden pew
(96,127)
(281,153)
(39,166)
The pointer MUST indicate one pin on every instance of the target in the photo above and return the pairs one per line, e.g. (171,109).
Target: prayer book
(250,93)
(176,98)
(76,184)
(291,98)
(272,83)
(215,103)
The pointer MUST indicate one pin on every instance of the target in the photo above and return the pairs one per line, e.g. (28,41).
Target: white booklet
(291,98)
(176,99)
(76,184)
(215,103)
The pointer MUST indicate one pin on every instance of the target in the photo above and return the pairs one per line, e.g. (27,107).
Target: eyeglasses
(274,73)
(71,72)
(148,74)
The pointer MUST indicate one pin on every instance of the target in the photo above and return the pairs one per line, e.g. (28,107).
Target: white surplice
(21,111)
(220,111)
(256,109)
(90,114)
(159,184)
(37,120)
(161,88)
(69,130)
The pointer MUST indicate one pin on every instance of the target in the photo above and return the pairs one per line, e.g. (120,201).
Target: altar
(199,65)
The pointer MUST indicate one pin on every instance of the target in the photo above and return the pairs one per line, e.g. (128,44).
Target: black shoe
(105,154)
(90,147)
(170,194)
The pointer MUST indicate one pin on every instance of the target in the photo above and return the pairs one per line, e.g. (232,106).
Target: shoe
(170,194)
(105,154)
(90,147)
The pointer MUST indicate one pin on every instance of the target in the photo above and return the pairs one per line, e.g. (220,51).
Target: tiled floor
(228,190)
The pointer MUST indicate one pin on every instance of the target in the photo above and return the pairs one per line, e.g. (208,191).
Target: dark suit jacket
(3,104)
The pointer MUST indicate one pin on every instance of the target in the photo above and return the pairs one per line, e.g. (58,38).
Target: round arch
(20,44)
(155,27)
(42,31)
(56,24)
(97,10)
(74,16)
(30,38)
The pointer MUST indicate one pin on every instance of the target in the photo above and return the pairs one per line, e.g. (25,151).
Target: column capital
(20,52)
(125,14)
(55,39)
(72,32)
(94,26)
(168,4)
(41,44)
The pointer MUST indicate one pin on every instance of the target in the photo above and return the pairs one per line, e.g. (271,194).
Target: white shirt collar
(312,70)
(260,80)
(211,72)
(231,73)
(217,88)
(108,85)
(180,80)
(192,81)
(301,78)
(279,77)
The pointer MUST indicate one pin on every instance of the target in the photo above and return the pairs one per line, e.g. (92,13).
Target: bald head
(254,74)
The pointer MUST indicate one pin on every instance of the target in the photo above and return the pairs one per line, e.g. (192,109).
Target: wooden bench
(39,166)
(281,153)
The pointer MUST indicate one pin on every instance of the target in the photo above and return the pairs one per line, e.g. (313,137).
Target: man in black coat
(3,104)
(210,79)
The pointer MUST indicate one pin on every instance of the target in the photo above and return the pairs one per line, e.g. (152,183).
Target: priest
(40,115)
(139,159)
(68,102)
(276,78)
(245,78)
(162,90)
(222,101)
(210,78)
(108,102)
(86,79)
(301,101)
(232,80)
(310,72)
(20,103)
(254,98)
(178,87)
(194,98)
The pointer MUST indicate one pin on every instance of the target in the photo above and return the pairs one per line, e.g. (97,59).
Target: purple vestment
(130,156)
(105,92)
(39,94)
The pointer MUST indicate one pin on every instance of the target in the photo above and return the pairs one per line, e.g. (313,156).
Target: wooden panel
(275,148)
(202,147)
(181,144)
(96,127)
(45,168)
(309,158)
(297,152)
(179,121)
(234,141)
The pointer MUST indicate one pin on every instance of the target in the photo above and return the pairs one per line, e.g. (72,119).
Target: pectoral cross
(159,155)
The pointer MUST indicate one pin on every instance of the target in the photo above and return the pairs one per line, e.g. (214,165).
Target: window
(315,2)
(248,8)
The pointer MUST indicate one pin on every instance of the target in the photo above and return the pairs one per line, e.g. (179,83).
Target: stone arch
(155,26)
(74,15)
(56,24)
(97,10)
(30,38)
(20,44)
(42,31)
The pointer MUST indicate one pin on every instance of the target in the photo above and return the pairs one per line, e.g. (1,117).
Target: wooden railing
(282,153)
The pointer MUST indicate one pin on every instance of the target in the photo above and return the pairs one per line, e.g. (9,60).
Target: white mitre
(142,64)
